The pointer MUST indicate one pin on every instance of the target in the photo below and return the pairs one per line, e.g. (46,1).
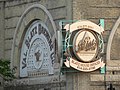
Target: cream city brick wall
(94,10)
(14,9)
(59,9)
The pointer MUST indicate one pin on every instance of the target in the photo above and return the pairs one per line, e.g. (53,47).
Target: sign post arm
(102,69)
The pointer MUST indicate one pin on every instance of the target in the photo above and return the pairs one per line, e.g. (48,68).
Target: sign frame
(98,30)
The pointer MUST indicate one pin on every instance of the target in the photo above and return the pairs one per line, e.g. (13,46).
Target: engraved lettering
(24,60)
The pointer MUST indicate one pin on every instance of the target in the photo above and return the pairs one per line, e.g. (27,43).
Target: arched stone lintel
(111,38)
(39,6)
(109,62)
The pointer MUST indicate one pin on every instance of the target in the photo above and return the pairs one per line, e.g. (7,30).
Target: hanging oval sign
(84,46)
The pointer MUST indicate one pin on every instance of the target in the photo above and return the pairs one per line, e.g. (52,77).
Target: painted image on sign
(85,45)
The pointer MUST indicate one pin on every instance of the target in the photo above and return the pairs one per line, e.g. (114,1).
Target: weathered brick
(12,22)
(18,10)
(97,2)
(58,13)
(34,14)
(114,2)
(97,87)
(109,77)
(56,4)
(103,13)
(80,8)
(8,44)
(18,2)
(8,54)
(9,33)
(14,11)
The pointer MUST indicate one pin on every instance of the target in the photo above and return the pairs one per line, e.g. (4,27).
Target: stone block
(58,13)
(69,9)
(102,78)
(103,13)
(97,2)
(112,68)
(38,14)
(97,88)
(18,2)
(113,78)
(11,23)
(8,44)
(14,11)
(114,2)
(34,14)
(93,2)
(9,33)
(81,8)
(55,4)
(8,54)
(17,10)
(98,77)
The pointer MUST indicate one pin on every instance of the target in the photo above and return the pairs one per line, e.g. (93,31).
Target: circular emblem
(85,45)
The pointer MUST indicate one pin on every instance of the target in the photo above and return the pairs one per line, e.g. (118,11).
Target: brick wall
(93,10)
(10,13)
(59,10)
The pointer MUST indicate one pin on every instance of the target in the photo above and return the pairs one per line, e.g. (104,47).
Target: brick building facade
(17,15)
